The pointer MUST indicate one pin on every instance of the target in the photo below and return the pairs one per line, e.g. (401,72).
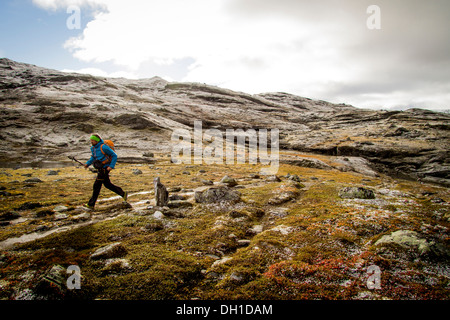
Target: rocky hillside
(337,221)
(47,115)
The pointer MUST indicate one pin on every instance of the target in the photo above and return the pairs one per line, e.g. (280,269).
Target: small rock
(113,250)
(294,177)
(257,212)
(44,213)
(60,209)
(179,204)
(243,243)
(25,294)
(117,265)
(115,237)
(228,181)
(296,184)
(29,206)
(52,173)
(158,215)
(81,217)
(236,277)
(283,229)
(177,197)
(60,216)
(207,182)
(273,178)
(237,214)
(11,215)
(221,261)
(41,228)
(221,247)
(282,198)
(213,256)
(154,226)
(149,155)
(33,180)
(213,275)
(255,230)
(173,213)
(137,171)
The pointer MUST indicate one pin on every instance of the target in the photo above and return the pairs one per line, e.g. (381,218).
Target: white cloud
(318,49)
(250,55)
(100,73)
(63,4)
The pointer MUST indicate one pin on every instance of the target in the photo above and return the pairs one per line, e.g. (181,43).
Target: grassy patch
(316,245)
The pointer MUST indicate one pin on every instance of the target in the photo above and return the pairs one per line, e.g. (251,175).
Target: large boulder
(356,193)
(52,283)
(412,241)
(217,194)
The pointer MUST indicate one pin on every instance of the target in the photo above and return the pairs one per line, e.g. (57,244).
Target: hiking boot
(87,206)
(125,196)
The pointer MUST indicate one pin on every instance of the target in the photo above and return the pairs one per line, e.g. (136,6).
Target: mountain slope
(48,114)
(315,230)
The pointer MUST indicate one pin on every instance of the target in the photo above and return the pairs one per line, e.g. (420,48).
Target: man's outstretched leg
(118,190)
(96,191)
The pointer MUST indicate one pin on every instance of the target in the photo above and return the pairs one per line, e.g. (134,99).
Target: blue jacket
(98,155)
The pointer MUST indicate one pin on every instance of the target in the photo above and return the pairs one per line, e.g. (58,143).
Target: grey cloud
(420,29)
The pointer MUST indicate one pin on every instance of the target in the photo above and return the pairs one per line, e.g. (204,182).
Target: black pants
(103,179)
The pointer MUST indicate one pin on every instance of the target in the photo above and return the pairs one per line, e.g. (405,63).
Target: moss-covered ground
(312,245)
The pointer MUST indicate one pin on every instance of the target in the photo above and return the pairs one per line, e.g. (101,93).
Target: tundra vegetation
(306,233)
(354,191)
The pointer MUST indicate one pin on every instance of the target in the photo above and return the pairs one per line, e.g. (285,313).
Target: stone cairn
(161,193)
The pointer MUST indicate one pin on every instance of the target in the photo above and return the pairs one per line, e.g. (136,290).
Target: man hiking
(104,160)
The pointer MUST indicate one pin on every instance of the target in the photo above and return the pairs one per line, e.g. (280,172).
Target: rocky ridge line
(47,114)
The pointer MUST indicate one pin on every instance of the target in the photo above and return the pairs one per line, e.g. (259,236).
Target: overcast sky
(319,49)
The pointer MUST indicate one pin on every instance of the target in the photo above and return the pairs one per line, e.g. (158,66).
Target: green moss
(322,253)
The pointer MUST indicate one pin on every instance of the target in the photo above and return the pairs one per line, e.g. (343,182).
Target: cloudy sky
(321,49)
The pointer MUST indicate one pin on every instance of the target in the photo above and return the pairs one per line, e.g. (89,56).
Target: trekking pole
(73,159)
(90,169)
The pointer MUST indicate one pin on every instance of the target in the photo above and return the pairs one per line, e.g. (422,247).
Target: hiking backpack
(110,144)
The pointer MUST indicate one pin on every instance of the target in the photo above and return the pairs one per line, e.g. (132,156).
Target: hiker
(104,160)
